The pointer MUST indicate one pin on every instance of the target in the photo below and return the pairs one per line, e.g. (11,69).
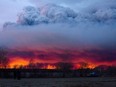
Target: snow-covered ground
(59,82)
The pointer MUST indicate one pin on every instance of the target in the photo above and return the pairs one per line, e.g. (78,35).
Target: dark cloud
(90,33)
(92,55)
(21,54)
(49,13)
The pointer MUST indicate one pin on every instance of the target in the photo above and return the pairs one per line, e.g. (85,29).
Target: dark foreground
(60,82)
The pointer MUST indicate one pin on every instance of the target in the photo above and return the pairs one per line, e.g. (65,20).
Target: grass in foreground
(60,82)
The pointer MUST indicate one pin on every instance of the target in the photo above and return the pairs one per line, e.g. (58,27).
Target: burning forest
(47,60)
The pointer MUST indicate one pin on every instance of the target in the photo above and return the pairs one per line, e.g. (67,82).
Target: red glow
(18,62)
(48,58)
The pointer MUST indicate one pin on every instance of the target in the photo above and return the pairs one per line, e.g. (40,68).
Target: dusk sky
(59,30)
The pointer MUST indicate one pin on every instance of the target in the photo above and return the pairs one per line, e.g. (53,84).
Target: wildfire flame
(18,62)
(51,67)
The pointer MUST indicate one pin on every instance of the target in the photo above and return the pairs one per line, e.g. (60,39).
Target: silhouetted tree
(3,58)
(83,65)
(31,64)
(64,66)
(83,70)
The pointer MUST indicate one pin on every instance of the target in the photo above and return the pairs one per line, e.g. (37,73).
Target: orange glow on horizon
(91,66)
(18,62)
(51,67)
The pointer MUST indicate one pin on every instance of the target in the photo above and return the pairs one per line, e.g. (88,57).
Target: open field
(60,82)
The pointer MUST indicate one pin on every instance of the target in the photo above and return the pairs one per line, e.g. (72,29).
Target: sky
(59,30)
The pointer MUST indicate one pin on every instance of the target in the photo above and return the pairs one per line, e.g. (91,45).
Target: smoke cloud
(60,33)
